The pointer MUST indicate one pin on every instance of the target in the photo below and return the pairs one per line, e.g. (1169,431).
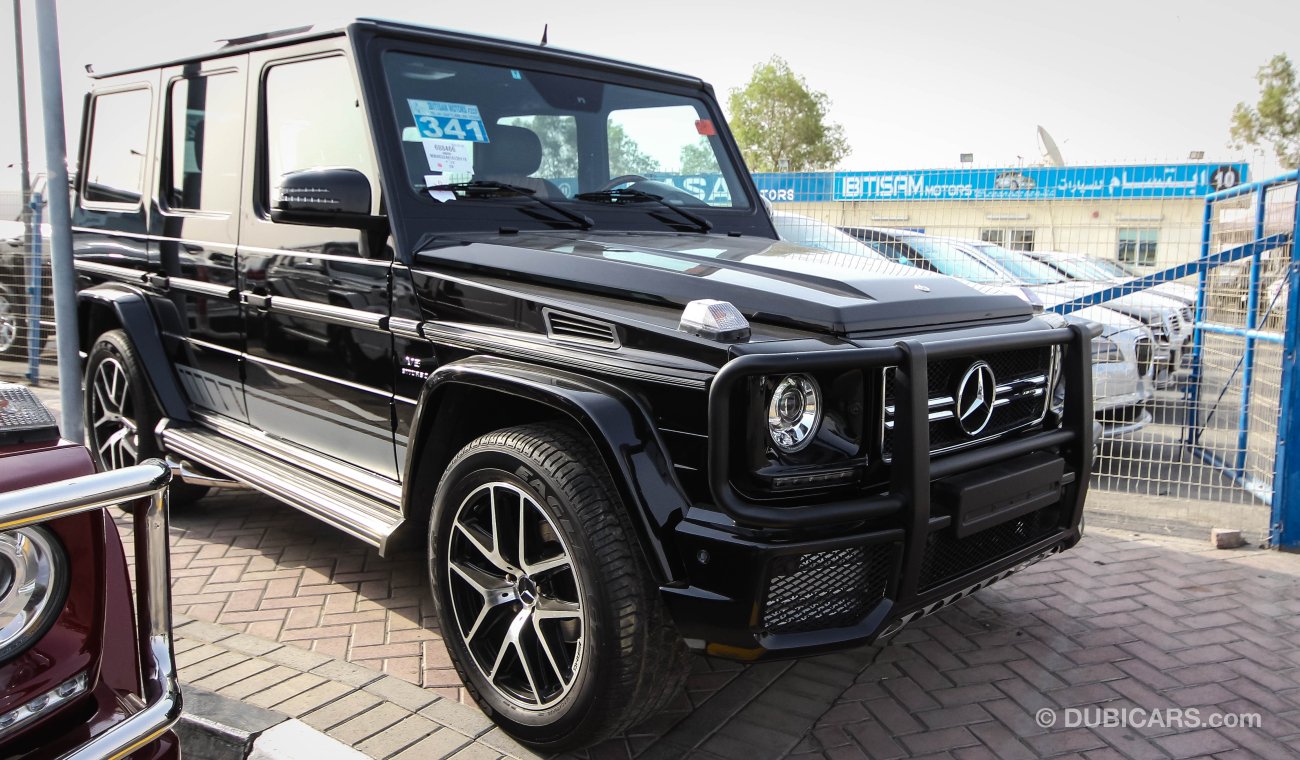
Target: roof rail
(236,41)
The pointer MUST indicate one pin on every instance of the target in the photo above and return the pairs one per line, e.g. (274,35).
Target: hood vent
(575,329)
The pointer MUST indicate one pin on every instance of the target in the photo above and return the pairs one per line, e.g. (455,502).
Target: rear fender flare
(130,308)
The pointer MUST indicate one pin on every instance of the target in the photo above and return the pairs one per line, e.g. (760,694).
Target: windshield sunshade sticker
(448,121)
(449,156)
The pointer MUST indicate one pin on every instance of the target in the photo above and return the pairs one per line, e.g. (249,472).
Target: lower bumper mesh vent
(947,556)
(829,589)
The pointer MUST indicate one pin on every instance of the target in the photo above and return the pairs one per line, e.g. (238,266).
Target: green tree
(1275,119)
(699,158)
(626,156)
(780,124)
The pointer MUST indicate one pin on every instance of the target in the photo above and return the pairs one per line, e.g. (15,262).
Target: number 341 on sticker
(448,121)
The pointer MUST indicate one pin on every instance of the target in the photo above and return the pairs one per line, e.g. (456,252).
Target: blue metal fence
(1280,487)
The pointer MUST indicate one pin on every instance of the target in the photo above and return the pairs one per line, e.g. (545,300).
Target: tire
(121,413)
(580,578)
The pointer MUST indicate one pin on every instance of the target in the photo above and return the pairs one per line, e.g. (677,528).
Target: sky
(914,84)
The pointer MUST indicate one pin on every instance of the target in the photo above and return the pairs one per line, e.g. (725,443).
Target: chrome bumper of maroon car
(146,481)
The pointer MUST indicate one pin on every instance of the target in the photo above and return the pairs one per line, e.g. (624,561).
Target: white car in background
(1171,319)
(1118,272)
(1173,336)
(1122,355)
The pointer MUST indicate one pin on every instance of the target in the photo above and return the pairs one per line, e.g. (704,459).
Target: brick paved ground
(1121,621)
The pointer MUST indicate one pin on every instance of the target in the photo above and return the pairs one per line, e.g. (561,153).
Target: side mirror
(327,197)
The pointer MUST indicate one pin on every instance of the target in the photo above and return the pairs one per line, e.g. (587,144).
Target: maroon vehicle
(79,678)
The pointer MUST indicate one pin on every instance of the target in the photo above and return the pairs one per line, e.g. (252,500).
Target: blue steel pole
(1198,335)
(1252,322)
(34,287)
(1285,517)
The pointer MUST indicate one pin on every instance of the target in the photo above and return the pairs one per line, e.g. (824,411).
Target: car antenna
(545,28)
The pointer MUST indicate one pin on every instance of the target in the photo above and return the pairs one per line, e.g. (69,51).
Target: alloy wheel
(112,416)
(8,324)
(516,596)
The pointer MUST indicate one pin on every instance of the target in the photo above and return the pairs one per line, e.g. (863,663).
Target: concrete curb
(248,697)
(214,727)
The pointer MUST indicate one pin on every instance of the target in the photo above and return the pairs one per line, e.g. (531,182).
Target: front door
(319,363)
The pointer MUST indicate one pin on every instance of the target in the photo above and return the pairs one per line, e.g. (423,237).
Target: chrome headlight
(1106,351)
(794,410)
(32,581)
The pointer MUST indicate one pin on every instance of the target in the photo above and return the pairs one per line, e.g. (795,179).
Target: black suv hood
(770,281)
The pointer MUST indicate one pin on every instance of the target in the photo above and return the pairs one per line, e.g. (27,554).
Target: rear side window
(314,120)
(205,137)
(119,136)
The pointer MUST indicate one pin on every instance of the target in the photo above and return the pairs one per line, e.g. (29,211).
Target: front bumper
(147,729)
(782,581)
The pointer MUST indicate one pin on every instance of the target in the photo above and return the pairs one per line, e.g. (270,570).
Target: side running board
(354,513)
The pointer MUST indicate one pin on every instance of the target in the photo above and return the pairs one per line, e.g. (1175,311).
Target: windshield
(1025,270)
(1113,268)
(554,136)
(810,232)
(948,258)
(1075,268)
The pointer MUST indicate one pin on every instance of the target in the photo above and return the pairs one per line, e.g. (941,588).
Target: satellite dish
(1051,153)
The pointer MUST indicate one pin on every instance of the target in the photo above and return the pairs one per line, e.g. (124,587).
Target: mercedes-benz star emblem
(976,394)
(922,288)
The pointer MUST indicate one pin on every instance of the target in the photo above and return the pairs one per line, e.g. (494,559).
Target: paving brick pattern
(1122,621)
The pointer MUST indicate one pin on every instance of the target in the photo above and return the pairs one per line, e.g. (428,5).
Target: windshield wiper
(582,220)
(628,195)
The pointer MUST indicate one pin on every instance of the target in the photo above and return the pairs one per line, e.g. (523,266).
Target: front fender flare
(615,421)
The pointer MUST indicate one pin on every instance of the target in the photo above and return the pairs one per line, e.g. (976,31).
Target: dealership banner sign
(1019,183)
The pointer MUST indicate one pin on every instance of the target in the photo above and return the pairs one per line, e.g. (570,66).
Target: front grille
(947,557)
(1159,327)
(1021,378)
(1145,350)
(829,589)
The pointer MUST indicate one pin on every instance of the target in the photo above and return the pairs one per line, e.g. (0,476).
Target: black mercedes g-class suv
(525,306)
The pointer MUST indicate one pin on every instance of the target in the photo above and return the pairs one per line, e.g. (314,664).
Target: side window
(205,137)
(1138,246)
(1021,240)
(997,237)
(119,137)
(314,120)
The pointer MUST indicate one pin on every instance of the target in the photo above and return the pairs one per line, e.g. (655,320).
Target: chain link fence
(1190,415)
(26,298)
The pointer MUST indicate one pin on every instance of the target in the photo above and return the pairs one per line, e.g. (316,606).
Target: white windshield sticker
(434,180)
(448,121)
(449,156)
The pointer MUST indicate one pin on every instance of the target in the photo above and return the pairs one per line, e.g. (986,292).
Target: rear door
(319,361)
(196,226)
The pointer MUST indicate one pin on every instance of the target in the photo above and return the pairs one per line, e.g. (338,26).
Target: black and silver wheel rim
(515,596)
(112,416)
(8,324)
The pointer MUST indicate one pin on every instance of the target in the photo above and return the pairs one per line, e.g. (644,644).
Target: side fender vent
(576,329)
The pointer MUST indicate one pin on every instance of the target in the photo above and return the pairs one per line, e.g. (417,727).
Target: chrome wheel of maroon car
(112,422)
(515,595)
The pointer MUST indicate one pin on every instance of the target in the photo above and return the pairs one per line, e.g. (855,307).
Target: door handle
(258,301)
